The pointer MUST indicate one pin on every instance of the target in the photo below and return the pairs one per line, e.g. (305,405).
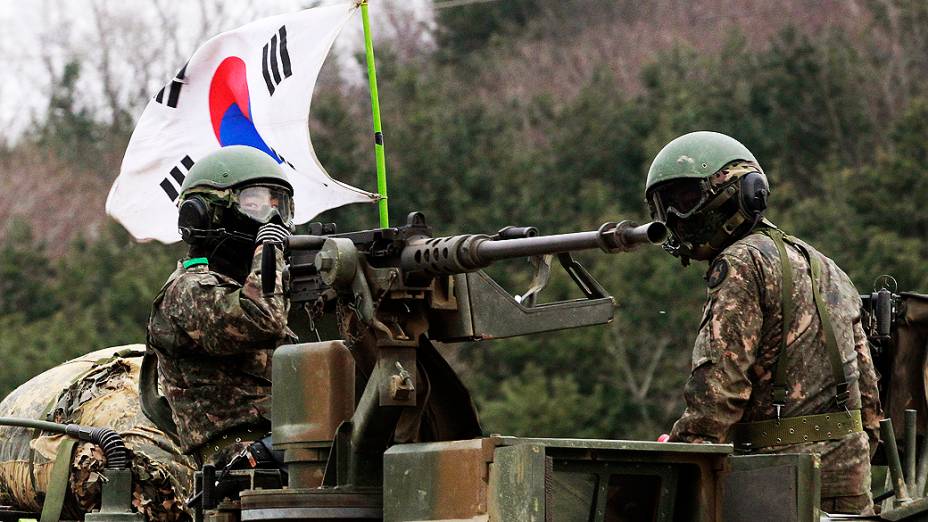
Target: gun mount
(394,291)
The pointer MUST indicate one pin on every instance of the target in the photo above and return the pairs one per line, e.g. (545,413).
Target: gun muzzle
(628,235)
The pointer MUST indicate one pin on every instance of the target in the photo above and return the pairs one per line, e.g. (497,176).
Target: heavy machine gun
(407,264)
(394,291)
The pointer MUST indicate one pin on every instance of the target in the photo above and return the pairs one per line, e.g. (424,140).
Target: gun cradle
(483,310)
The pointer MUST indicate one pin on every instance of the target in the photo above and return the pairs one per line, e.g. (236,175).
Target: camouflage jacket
(739,342)
(214,339)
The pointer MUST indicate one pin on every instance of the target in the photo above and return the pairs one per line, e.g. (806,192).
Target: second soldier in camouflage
(778,366)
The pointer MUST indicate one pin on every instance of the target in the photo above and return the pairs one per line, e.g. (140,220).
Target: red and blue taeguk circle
(230,108)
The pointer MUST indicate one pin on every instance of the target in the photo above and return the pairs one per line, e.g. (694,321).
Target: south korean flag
(250,86)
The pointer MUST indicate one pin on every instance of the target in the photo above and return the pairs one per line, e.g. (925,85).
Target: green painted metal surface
(570,480)
(625,445)
(117,496)
(580,480)
(487,311)
(916,510)
(695,155)
(447,480)
(517,483)
(775,488)
(232,166)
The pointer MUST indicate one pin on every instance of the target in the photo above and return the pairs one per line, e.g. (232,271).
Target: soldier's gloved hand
(272,233)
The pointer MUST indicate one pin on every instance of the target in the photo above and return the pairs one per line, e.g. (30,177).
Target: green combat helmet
(709,190)
(232,192)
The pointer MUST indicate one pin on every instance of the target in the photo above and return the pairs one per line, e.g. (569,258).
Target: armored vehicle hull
(98,389)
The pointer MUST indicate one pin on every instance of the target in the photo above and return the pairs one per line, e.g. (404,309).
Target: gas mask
(704,215)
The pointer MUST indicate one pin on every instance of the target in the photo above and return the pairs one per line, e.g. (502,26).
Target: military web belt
(806,428)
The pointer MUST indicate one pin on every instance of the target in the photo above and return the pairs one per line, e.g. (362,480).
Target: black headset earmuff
(753,194)
(193,216)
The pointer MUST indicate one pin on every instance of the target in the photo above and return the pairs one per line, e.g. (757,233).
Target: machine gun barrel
(617,238)
(466,253)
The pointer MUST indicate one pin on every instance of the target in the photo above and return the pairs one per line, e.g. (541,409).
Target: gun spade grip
(884,313)
(268,269)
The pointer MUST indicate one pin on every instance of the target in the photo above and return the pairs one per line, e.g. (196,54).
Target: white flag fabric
(250,86)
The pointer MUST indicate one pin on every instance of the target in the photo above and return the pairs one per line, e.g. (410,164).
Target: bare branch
(168,24)
(103,21)
(638,380)
(652,366)
(213,18)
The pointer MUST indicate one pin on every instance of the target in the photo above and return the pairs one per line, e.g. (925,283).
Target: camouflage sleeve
(719,385)
(871,411)
(225,318)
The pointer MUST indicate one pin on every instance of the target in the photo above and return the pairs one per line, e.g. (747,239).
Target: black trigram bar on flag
(173,89)
(276,70)
(283,159)
(177,175)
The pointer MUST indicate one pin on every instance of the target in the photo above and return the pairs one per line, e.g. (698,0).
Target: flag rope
(379,155)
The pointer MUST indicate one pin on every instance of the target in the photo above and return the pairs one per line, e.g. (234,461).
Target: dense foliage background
(541,112)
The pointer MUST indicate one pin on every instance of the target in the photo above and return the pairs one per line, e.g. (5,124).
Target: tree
(531,404)
(468,28)
(69,127)
(26,275)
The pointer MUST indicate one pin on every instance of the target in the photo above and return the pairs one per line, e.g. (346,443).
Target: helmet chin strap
(199,235)
(229,258)
(725,235)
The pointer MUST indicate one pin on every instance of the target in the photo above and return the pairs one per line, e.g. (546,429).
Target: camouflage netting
(98,389)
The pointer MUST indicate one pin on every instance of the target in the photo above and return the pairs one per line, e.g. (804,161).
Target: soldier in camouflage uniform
(212,328)
(781,363)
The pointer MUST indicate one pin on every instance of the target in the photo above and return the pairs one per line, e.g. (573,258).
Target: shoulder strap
(786,309)
(780,387)
(842,393)
(58,481)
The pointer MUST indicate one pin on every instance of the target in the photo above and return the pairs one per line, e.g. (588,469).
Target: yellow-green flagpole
(378,129)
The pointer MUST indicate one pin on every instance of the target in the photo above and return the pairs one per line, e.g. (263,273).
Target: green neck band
(195,261)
